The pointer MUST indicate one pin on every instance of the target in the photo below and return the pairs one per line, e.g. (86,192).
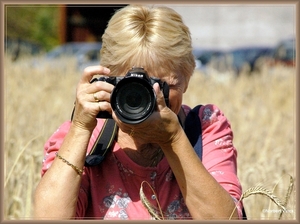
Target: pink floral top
(111,190)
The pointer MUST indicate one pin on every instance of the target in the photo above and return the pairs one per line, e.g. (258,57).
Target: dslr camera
(133,98)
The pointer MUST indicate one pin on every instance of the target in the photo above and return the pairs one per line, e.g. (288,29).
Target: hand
(160,128)
(91,98)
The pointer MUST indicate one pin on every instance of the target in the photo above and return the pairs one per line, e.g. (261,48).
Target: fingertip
(90,71)
(106,70)
(159,95)
(156,88)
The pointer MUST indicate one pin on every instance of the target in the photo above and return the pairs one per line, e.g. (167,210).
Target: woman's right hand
(91,98)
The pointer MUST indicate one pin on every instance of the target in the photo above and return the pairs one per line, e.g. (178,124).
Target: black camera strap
(103,143)
(193,130)
(108,132)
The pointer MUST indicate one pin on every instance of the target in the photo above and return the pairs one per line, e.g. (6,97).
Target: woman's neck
(143,154)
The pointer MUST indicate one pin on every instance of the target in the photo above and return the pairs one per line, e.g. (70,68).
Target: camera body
(133,98)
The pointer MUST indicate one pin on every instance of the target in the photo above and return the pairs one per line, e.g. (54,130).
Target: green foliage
(35,23)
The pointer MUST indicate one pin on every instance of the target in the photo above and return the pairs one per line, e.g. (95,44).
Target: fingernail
(106,70)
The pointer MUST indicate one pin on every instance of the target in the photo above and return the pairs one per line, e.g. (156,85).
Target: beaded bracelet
(79,171)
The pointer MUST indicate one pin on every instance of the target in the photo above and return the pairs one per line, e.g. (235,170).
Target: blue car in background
(203,57)
(244,58)
(83,54)
(285,52)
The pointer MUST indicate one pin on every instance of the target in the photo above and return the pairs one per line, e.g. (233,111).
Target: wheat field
(260,108)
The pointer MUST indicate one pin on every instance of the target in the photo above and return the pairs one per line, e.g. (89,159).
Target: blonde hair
(151,37)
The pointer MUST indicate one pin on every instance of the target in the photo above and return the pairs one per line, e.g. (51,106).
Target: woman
(154,156)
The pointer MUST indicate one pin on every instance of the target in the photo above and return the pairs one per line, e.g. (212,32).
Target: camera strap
(103,143)
(190,122)
(192,128)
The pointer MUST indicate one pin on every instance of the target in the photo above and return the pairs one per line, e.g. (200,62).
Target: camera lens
(133,100)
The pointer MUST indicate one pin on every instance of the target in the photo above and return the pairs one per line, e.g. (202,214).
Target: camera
(133,98)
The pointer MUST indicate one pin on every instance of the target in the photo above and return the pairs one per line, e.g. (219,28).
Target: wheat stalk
(18,158)
(148,205)
(288,195)
(263,191)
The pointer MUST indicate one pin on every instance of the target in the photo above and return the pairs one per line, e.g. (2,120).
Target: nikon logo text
(137,75)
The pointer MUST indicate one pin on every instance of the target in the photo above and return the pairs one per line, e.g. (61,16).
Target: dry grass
(261,109)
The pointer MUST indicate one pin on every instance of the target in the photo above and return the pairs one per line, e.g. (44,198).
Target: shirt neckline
(135,168)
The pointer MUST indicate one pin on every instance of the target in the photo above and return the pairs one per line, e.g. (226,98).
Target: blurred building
(84,23)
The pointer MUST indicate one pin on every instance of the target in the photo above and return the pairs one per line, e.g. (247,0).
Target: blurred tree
(35,23)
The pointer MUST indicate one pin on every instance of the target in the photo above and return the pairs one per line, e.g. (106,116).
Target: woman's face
(178,85)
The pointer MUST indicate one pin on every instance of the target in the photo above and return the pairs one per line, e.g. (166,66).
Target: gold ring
(95,97)
(131,133)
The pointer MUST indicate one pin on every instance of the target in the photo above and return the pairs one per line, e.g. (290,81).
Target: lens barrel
(133,99)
